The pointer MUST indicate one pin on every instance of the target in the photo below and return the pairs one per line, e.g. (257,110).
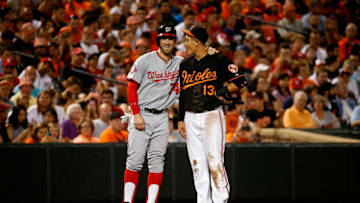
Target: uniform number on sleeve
(209,90)
(175,87)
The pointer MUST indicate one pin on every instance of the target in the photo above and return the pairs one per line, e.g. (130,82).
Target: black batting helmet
(166,31)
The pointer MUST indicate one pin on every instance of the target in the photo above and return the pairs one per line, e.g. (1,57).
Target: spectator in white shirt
(44,102)
(87,42)
(315,41)
(102,122)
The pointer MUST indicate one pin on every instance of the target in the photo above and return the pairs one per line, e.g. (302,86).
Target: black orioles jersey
(200,78)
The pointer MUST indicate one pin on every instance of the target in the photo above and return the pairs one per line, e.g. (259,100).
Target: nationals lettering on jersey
(156,78)
(200,78)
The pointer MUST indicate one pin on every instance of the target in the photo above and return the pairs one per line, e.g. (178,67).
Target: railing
(94,172)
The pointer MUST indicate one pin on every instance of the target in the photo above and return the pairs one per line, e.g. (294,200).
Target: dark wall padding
(95,173)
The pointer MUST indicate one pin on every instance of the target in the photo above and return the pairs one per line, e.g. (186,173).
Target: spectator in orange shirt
(77,7)
(40,132)
(115,132)
(297,116)
(86,128)
(347,44)
(252,60)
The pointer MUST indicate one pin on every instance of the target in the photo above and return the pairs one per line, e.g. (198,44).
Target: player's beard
(166,51)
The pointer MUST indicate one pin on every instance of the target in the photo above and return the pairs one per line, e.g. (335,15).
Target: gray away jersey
(155,78)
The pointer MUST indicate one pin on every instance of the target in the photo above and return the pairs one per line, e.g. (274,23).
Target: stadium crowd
(64,64)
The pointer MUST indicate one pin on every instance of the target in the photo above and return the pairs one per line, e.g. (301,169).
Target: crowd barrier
(94,172)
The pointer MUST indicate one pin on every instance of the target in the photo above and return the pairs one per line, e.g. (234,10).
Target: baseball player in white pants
(201,118)
(151,90)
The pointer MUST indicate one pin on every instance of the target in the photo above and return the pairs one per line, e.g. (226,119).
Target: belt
(200,110)
(155,111)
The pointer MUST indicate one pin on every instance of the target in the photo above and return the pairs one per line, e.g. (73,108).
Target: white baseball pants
(205,139)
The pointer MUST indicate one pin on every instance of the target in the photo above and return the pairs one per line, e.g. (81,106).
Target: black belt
(200,110)
(155,111)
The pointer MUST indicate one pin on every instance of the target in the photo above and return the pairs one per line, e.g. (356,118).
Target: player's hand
(181,128)
(212,51)
(139,122)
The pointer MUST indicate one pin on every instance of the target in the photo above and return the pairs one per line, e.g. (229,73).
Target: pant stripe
(222,151)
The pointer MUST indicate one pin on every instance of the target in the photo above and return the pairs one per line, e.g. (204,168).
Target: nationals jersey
(200,78)
(156,79)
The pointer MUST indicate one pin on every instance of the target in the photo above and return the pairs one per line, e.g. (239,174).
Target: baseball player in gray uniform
(152,89)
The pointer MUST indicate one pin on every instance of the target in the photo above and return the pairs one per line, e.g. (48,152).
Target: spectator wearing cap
(347,43)
(115,18)
(87,43)
(289,21)
(252,39)
(69,127)
(116,130)
(4,137)
(189,20)
(261,71)
(8,65)
(26,86)
(224,45)
(77,60)
(32,73)
(5,92)
(297,116)
(295,85)
(103,121)
(85,129)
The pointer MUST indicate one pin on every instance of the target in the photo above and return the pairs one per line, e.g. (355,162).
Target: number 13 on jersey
(208,90)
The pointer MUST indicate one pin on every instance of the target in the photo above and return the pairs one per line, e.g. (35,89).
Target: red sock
(132,178)
(153,186)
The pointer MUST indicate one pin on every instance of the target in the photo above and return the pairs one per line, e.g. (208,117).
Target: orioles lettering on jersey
(157,77)
(194,78)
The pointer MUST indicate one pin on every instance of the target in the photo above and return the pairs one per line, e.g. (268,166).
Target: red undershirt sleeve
(133,96)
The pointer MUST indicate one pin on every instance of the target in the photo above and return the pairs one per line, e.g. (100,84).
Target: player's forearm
(232,88)
(133,97)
